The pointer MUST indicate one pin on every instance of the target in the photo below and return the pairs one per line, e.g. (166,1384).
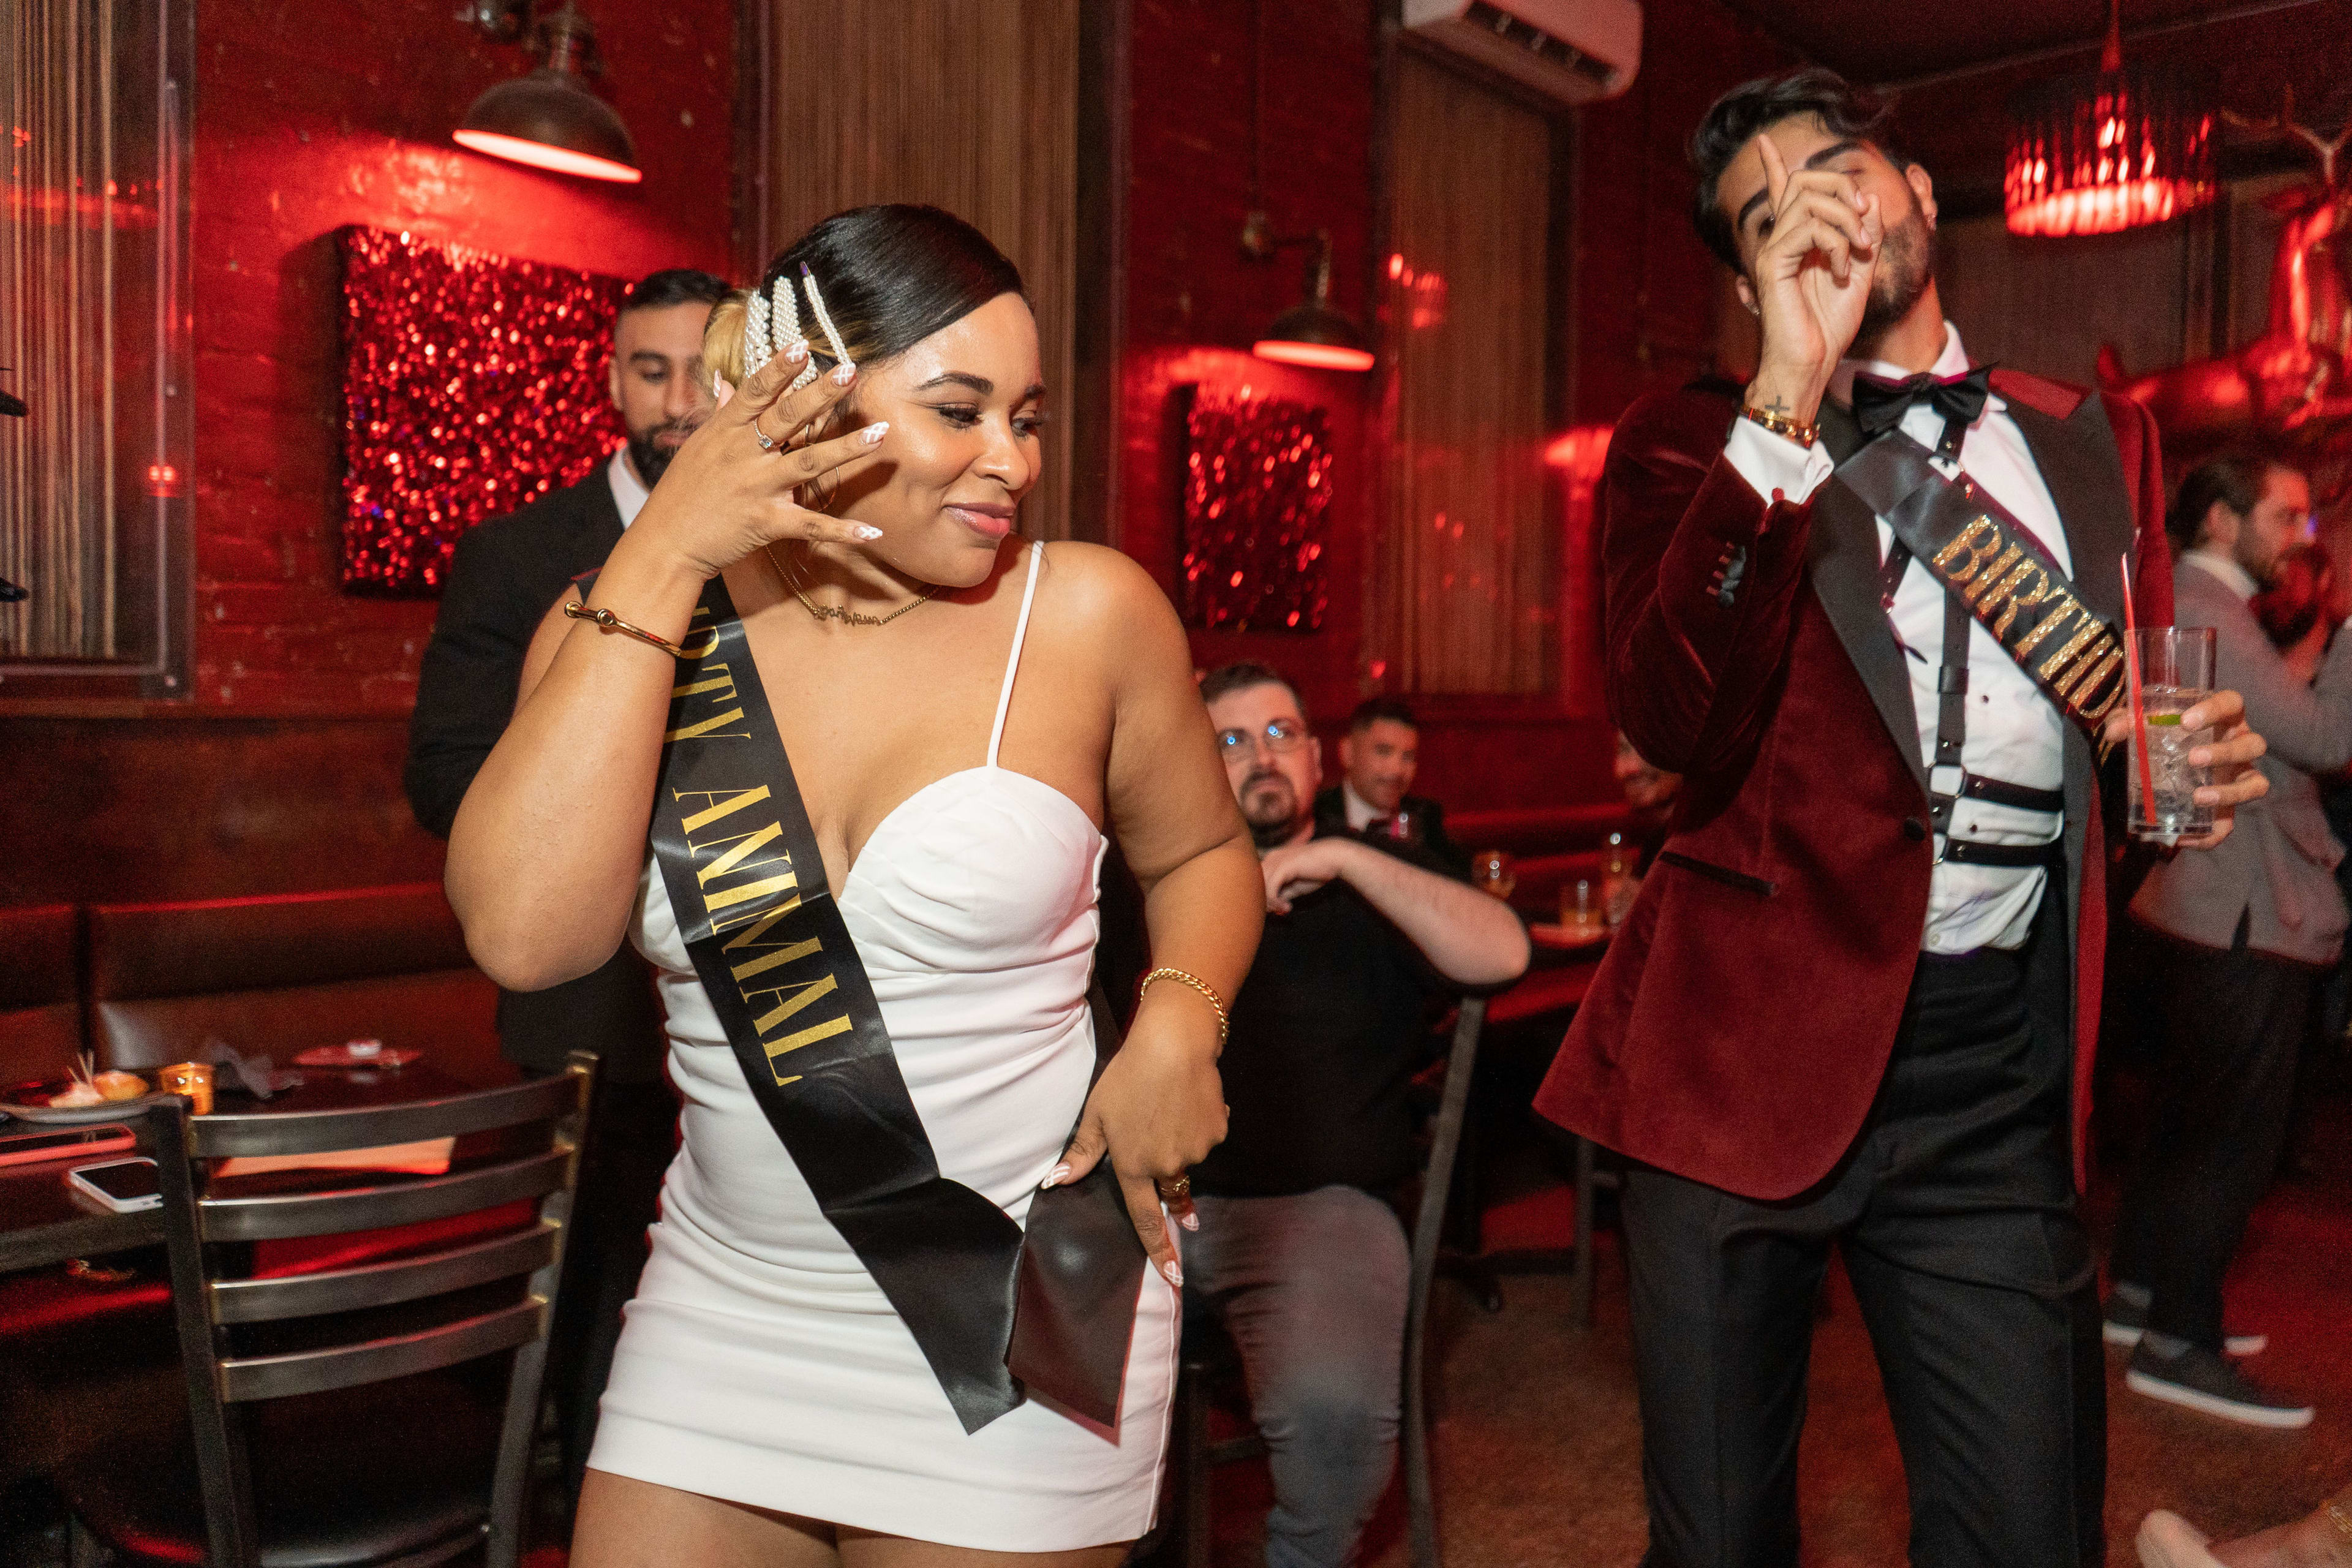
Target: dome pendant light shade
(2093,154)
(1312,333)
(549,119)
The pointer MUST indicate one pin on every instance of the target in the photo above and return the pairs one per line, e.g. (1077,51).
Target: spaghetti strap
(1013,659)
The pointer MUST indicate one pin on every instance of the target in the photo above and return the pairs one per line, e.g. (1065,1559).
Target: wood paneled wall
(1465,583)
(971,105)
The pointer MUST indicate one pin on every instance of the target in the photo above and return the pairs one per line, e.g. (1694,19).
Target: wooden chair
(379,1444)
(1201,1365)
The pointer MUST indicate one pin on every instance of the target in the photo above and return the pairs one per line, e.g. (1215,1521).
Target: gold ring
(1177,1187)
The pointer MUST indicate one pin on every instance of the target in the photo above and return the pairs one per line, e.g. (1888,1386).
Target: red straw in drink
(2131,675)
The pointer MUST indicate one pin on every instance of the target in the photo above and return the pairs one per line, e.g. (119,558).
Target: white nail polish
(872,435)
(844,374)
(1174,1273)
(1191,1222)
(796,351)
(867,531)
(1055,1177)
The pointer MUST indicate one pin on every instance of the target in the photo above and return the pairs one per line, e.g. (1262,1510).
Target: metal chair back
(206,1304)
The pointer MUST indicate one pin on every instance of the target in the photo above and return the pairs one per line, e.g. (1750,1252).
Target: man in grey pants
(1298,1250)
(2253,926)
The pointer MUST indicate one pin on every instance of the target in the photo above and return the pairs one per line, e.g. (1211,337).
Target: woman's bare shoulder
(1100,588)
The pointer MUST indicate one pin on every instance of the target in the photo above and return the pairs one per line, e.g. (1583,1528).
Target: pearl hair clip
(775,317)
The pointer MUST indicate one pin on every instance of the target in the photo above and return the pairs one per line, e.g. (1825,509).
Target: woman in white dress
(965,713)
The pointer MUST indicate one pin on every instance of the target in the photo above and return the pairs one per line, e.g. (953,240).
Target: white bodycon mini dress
(760,1362)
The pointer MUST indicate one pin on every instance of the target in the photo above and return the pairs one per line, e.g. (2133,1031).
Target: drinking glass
(2176,673)
(1494,873)
(1578,910)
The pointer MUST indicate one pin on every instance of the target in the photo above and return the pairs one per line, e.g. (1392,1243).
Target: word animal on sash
(1998,570)
(746,882)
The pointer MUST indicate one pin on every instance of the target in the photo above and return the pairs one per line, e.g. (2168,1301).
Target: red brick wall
(1194,303)
(304,125)
(284,774)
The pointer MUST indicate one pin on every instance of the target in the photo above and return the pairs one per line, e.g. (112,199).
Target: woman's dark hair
(1846,111)
(891,276)
(2297,597)
(2236,481)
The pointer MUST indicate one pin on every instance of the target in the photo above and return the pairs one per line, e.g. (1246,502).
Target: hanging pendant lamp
(2095,153)
(549,119)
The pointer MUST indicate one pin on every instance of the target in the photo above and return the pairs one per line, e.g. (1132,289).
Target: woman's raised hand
(725,494)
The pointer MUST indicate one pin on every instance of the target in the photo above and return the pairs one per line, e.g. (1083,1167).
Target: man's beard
(1272,814)
(650,455)
(1906,264)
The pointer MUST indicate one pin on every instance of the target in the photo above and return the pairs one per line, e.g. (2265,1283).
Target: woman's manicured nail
(867,531)
(796,351)
(1175,1274)
(872,435)
(1191,1222)
(1059,1173)
(844,374)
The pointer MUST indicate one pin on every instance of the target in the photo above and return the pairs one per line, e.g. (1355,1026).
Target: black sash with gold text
(1994,565)
(748,887)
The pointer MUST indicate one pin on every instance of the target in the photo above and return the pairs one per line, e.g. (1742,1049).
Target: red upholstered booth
(40,991)
(279,974)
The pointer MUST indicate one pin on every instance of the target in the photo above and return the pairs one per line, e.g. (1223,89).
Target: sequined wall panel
(1257,473)
(473,385)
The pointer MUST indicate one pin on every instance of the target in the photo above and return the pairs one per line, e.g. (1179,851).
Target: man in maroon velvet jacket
(1842,1013)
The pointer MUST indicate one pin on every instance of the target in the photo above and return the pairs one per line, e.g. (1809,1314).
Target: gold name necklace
(835,613)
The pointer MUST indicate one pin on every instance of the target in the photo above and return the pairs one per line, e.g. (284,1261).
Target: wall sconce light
(547,119)
(1311,333)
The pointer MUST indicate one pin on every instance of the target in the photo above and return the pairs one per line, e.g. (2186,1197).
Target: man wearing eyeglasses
(1299,1252)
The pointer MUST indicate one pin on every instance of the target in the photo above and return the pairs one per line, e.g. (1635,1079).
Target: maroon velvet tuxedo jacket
(1739,1025)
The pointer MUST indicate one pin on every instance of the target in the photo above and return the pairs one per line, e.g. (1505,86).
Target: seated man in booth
(1378,758)
(505,575)
(1298,1250)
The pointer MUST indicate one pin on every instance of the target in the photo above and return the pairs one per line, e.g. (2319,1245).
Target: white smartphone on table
(125,1186)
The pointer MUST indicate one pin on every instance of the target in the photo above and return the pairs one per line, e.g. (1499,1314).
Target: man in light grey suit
(2252,927)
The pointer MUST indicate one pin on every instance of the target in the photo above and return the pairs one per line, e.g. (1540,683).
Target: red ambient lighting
(1317,356)
(539,155)
(2096,154)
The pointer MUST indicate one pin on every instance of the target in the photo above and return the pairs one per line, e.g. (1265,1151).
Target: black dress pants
(2233,1026)
(632,1134)
(1955,1213)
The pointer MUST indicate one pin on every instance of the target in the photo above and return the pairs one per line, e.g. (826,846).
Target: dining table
(45,1221)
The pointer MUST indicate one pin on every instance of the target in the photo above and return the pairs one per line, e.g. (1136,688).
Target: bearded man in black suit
(504,575)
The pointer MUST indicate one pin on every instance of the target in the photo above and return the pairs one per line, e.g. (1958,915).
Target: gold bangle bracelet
(1796,430)
(1224,1023)
(608,621)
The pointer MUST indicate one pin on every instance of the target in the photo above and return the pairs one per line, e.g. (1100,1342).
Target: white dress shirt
(629,492)
(1361,813)
(2014,733)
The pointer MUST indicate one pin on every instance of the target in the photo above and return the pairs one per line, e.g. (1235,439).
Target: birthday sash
(1994,565)
(747,883)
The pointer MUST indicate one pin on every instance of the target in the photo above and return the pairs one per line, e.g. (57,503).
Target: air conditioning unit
(1572,51)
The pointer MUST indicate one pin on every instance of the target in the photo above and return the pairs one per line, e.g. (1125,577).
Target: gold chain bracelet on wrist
(610,622)
(1224,1023)
(1796,430)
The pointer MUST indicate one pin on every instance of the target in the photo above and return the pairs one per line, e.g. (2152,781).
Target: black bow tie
(1879,403)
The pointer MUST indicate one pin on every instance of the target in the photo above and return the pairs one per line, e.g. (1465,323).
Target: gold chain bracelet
(610,622)
(1781,425)
(1224,1023)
